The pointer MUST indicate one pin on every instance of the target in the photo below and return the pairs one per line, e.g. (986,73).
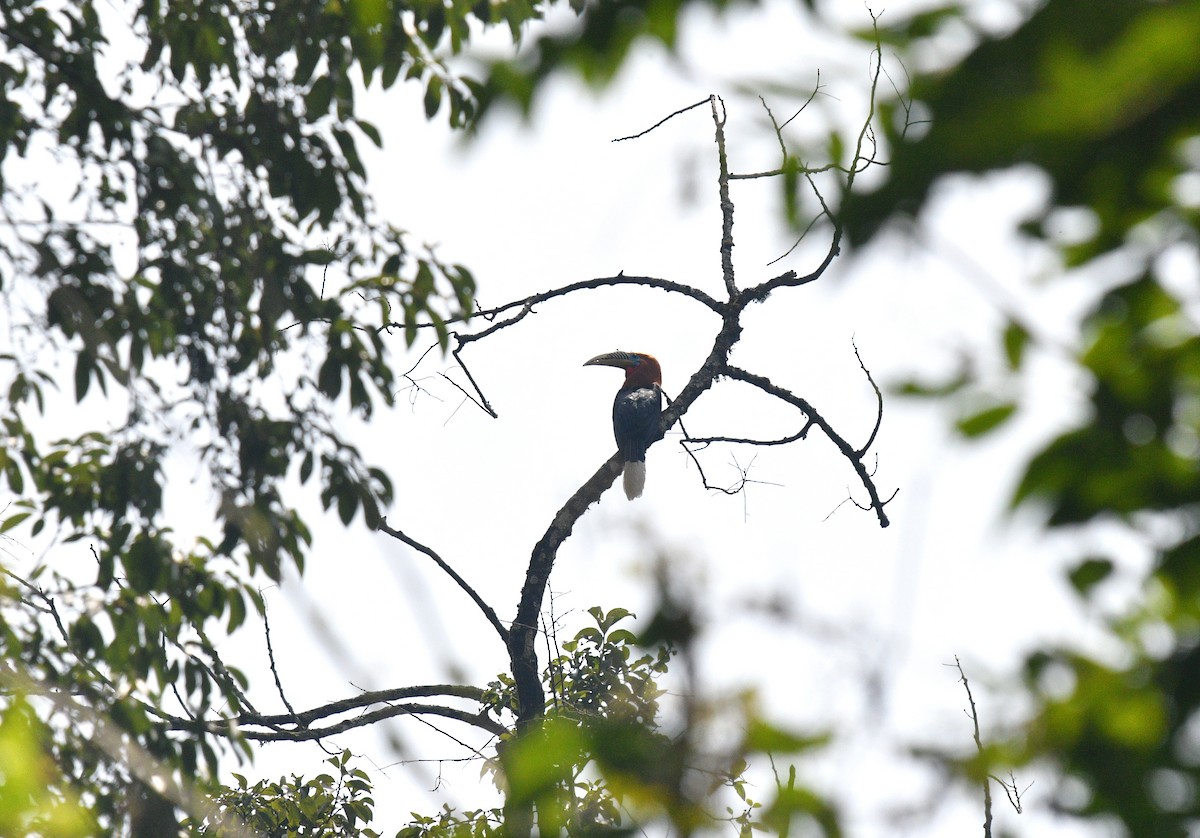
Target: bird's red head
(641,370)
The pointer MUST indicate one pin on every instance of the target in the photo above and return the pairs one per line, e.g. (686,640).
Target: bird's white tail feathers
(635,479)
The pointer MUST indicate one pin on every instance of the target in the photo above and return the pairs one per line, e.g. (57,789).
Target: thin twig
(271,658)
(487,610)
(736,440)
(878,398)
(660,122)
(987,790)
(769,387)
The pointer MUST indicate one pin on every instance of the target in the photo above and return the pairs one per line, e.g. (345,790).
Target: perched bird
(635,412)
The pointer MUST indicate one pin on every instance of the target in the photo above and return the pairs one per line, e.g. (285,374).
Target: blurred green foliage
(1104,98)
(602,760)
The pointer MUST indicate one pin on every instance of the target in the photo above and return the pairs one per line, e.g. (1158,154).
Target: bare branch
(987,789)
(878,398)
(767,386)
(527,307)
(791,279)
(1011,791)
(866,132)
(787,170)
(583,284)
(496,326)
(308,734)
(298,727)
(735,440)
(462,340)
(409,373)
(521,644)
(661,121)
(727,490)
(725,201)
(482,403)
(803,234)
(487,610)
(271,657)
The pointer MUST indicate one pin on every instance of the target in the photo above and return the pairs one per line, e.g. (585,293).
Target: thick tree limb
(298,727)
(522,649)
(531,698)
(725,201)
(310,734)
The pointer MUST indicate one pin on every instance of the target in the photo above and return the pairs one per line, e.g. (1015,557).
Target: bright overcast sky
(878,614)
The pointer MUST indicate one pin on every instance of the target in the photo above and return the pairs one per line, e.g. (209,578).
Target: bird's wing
(635,420)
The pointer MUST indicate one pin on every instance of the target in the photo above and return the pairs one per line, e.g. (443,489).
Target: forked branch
(303,727)
(521,634)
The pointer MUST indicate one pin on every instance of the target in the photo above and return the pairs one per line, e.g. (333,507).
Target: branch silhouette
(521,635)
(299,727)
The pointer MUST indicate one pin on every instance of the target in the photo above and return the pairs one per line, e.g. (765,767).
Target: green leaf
(84,364)
(986,420)
(433,96)
(1016,339)
(329,378)
(607,621)
(1089,573)
(763,737)
(370,131)
(928,390)
(13,521)
(143,563)
(319,97)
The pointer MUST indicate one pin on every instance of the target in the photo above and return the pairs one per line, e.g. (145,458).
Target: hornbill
(635,412)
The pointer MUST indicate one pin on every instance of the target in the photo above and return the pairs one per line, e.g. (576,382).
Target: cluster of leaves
(198,247)
(1105,98)
(126,658)
(324,806)
(192,267)
(599,676)
(602,759)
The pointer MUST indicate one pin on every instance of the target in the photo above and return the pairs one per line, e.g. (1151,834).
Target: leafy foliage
(323,806)
(37,797)
(603,760)
(215,283)
(192,268)
(1105,99)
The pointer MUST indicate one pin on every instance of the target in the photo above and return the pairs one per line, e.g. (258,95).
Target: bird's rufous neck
(645,374)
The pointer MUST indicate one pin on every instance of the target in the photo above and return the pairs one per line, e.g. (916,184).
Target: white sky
(879,613)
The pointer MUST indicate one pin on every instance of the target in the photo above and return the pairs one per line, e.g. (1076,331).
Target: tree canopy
(203,274)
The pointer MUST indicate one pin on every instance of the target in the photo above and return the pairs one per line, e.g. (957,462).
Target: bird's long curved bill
(612,359)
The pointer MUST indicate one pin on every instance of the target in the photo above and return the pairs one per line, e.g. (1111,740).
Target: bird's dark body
(635,420)
(637,413)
